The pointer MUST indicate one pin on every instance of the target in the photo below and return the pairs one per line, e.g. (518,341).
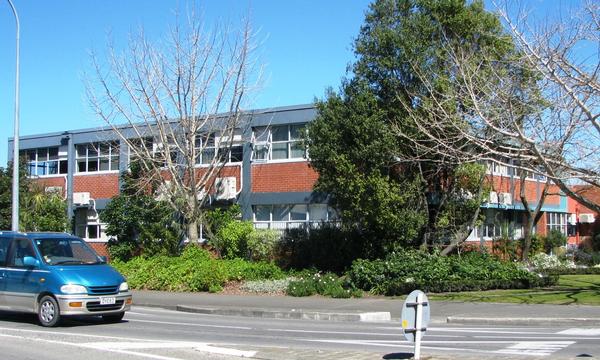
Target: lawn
(571,289)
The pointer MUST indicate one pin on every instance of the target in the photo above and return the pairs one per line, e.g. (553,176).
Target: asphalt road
(153,333)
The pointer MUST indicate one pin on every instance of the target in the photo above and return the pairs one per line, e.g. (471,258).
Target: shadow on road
(398,356)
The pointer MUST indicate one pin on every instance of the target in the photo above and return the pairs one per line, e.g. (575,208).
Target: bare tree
(178,106)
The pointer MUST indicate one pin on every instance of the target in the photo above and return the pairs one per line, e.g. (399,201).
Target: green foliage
(195,270)
(323,284)
(404,271)
(327,248)
(38,210)
(216,219)
(231,240)
(138,223)
(554,239)
(262,244)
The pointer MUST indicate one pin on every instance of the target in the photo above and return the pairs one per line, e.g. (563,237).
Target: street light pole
(15,187)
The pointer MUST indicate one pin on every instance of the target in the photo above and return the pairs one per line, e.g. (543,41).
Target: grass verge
(571,289)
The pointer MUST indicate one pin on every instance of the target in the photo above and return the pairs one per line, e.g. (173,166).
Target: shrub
(231,239)
(544,262)
(407,270)
(327,284)
(266,286)
(239,269)
(262,244)
(554,239)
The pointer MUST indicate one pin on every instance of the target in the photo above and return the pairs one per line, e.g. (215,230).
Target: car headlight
(124,287)
(73,289)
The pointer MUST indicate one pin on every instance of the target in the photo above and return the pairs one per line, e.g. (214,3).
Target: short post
(415,318)
(418,324)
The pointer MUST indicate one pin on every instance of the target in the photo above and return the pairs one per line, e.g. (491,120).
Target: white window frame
(43,162)
(557,221)
(112,148)
(266,132)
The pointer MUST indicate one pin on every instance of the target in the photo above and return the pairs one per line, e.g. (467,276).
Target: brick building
(267,174)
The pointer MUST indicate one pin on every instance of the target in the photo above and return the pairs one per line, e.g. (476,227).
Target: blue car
(55,275)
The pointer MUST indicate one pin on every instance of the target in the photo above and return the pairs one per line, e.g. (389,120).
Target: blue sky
(306,46)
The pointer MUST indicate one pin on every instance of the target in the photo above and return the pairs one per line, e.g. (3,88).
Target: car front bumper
(94,304)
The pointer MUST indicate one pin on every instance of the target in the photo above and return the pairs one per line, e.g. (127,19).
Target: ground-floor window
(557,221)
(290,216)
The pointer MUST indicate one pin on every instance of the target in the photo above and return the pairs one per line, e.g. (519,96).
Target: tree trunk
(192,231)
(527,233)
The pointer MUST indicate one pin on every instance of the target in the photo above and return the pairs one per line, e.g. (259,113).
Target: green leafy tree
(358,143)
(38,210)
(138,223)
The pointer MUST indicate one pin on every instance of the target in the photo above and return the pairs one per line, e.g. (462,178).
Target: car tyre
(48,311)
(113,318)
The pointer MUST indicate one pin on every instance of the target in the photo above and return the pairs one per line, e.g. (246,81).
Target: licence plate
(107,301)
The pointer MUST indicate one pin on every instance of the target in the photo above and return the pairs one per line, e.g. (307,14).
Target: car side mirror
(29,261)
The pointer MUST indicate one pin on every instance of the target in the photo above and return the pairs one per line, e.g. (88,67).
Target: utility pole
(15,187)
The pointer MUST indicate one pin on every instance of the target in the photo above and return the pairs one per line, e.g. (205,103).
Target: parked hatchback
(56,275)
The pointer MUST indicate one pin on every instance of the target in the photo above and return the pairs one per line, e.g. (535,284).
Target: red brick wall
(503,184)
(59,181)
(99,247)
(283,177)
(99,186)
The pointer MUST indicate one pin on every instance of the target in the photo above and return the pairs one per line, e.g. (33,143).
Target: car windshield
(66,251)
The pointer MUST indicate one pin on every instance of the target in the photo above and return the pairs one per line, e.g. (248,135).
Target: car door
(21,282)
(4,241)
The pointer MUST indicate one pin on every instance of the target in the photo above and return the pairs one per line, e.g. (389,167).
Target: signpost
(415,318)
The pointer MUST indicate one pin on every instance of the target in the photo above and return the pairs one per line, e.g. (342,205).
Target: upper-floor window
(99,156)
(210,145)
(278,142)
(46,161)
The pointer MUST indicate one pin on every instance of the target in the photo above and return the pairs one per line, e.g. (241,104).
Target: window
(292,215)
(96,157)
(209,145)
(557,221)
(19,249)
(278,142)
(46,161)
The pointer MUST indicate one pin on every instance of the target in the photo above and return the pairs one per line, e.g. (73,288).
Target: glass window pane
(297,150)
(114,163)
(281,212)
(262,212)
(62,167)
(104,164)
(81,166)
(92,150)
(31,155)
(52,167)
(103,149)
(92,231)
(280,151)
(298,213)
(41,168)
(261,133)
(280,133)
(81,151)
(296,132)
(317,212)
(237,153)
(260,152)
(208,155)
(53,153)
(92,165)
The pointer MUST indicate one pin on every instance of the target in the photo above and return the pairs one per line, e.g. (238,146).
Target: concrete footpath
(369,309)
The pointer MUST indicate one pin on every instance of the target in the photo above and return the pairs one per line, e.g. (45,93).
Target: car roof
(36,235)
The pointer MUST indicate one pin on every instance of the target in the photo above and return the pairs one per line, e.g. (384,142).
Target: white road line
(191,324)
(400,333)
(535,348)
(124,347)
(580,332)
(402,345)
(547,338)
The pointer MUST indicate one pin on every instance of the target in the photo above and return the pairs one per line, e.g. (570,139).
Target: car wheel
(48,311)
(113,318)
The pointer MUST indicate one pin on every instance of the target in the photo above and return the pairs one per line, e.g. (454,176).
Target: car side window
(3,250)
(18,250)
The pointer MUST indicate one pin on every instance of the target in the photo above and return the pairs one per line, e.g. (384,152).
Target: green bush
(323,284)
(262,244)
(554,239)
(231,239)
(404,271)
(195,270)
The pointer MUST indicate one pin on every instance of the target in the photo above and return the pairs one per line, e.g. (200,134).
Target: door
(21,282)
(3,253)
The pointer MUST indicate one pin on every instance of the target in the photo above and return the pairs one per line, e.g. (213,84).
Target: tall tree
(179,104)
(397,36)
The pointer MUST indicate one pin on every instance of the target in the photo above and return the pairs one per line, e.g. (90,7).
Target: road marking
(580,332)
(402,344)
(191,324)
(398,334)
(535,348)
(124,347)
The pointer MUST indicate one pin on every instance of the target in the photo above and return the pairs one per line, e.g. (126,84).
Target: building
(267,174)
